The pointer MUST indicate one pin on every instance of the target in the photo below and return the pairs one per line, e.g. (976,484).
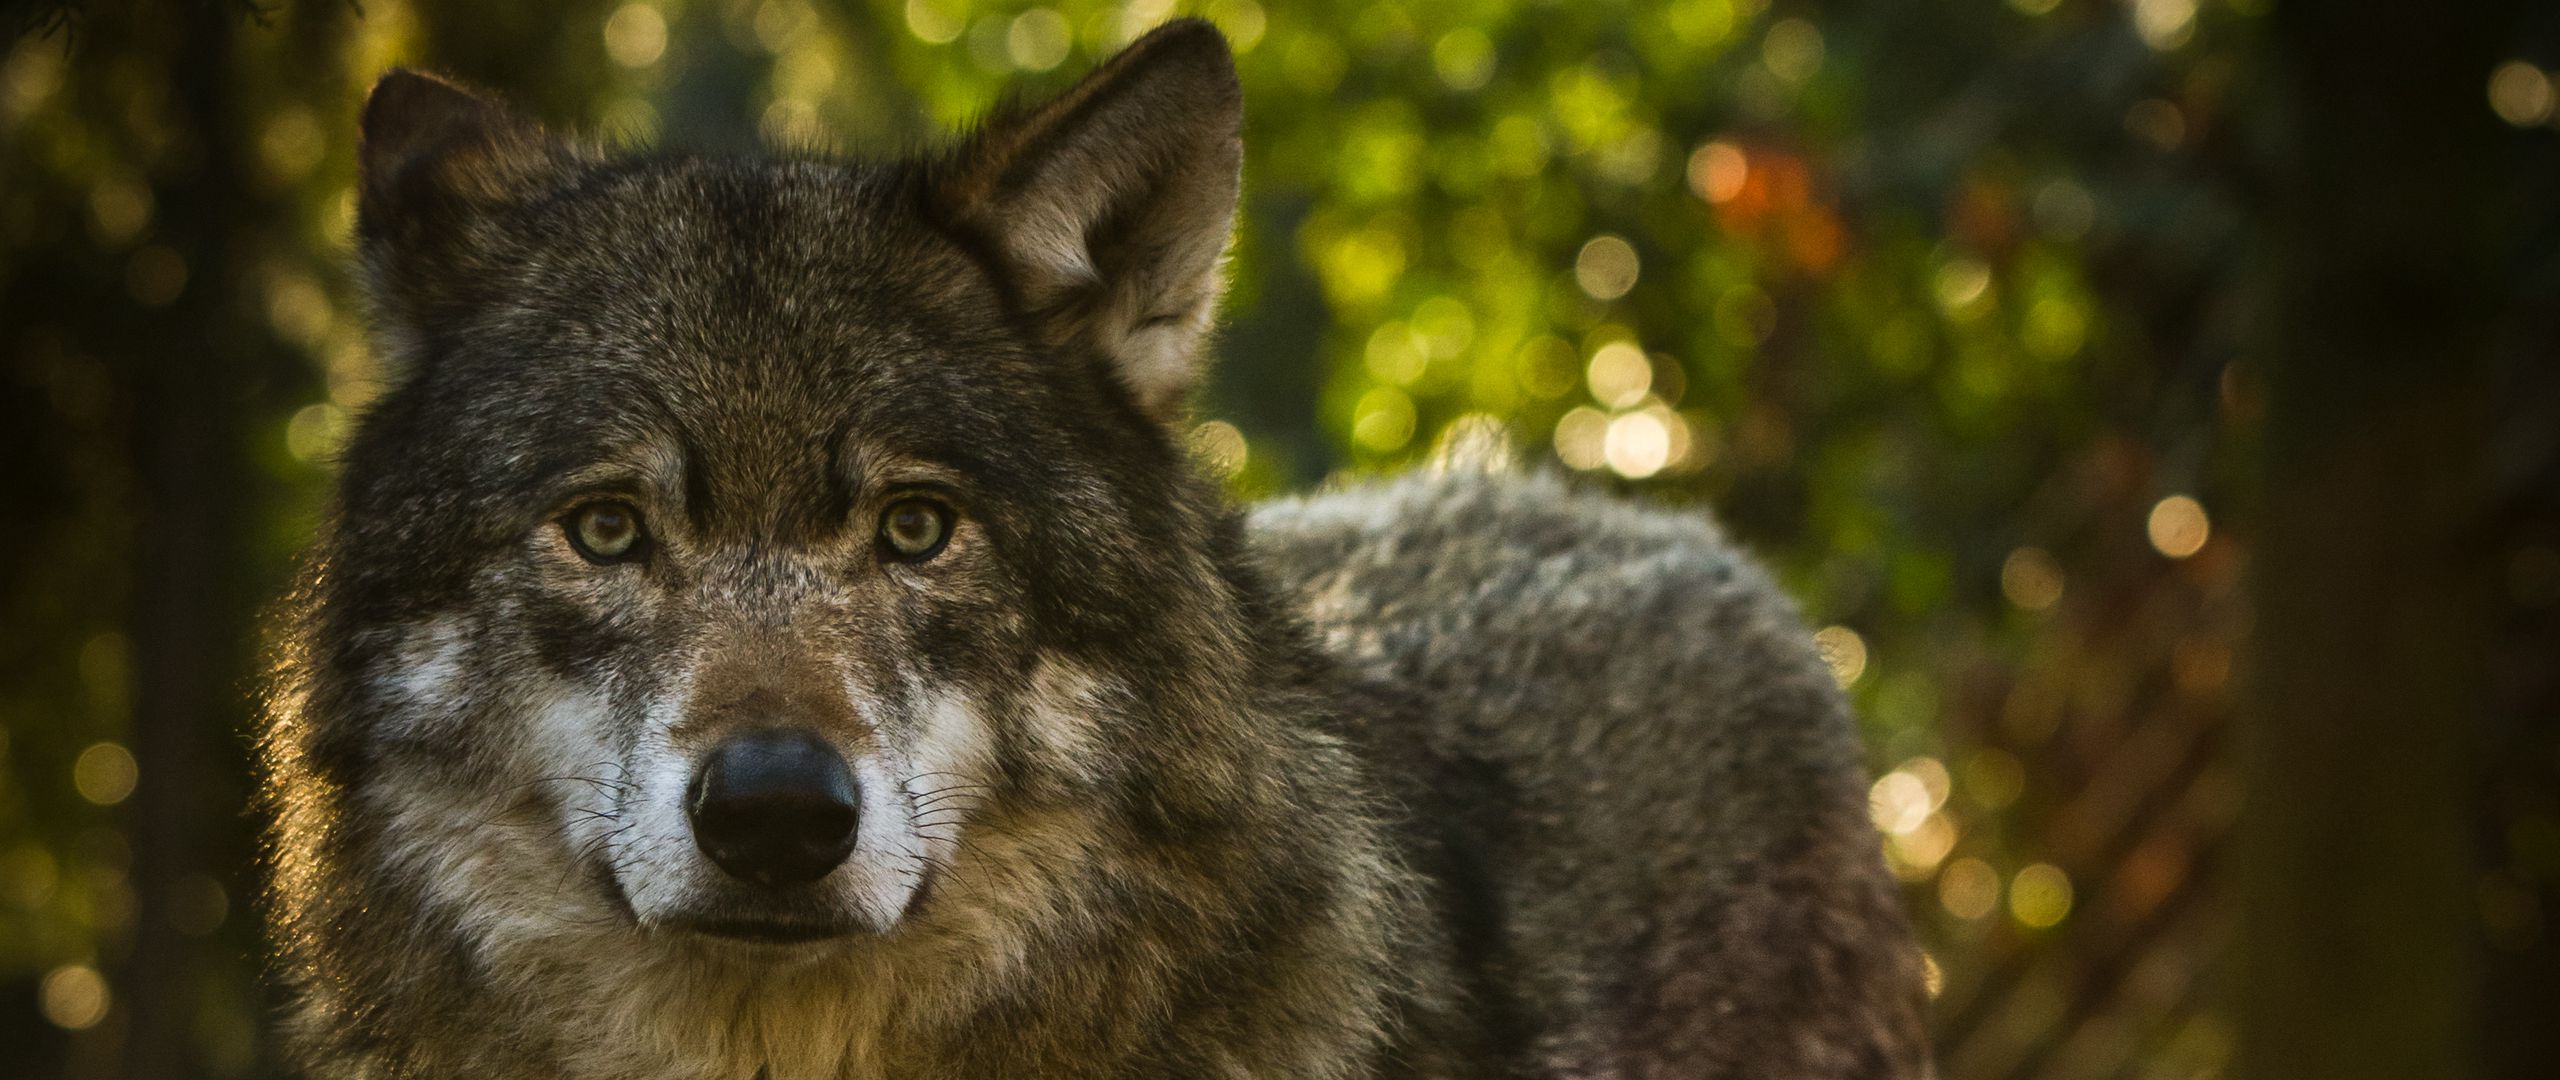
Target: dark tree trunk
(2355,870)
(187,376)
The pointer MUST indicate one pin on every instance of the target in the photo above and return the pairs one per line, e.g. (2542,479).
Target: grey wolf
(772,629)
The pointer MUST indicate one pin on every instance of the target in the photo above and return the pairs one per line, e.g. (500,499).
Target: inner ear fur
(1108,208)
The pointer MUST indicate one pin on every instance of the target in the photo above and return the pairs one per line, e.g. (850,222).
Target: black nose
(774,807)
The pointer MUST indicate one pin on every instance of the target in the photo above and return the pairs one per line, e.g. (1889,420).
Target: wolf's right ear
(1107,208)
(434,163)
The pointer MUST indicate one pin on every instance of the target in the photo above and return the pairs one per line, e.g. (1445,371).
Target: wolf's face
(741,537)
(737,530)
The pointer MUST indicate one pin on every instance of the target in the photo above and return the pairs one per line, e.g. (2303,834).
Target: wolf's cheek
(497,831)
(420,691)
(1062,723)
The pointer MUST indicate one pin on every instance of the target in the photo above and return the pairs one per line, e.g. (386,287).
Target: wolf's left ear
(436,165)
(1109,206)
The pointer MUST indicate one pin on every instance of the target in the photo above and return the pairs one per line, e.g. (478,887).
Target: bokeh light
(1899,802)
(1606,268)
(1582,438)
(1038,39)
(1637,444)
(1717,171)
(2164,24)
(1844,651)
(1221,447)
(1792,49)
(2040,895)
(2178,527)
(2031,579)
(105,773)
(2521,93)
(74,996)
(1619,375)
(932,21)
(1969,888)
(635,35)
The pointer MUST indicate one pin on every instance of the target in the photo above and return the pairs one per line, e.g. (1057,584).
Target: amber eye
(606,532)
(913,530)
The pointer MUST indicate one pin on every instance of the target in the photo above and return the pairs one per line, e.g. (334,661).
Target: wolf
(771,629)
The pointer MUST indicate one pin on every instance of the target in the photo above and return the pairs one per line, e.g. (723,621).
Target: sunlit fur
(1470,775)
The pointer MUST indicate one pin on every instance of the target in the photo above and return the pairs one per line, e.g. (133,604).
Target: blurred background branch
(2153,402)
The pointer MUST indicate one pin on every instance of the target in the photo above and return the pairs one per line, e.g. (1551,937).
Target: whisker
(595,781)
(937,865)
(598,782)
(587,852)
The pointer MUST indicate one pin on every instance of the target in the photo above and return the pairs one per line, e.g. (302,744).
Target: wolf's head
(734,535)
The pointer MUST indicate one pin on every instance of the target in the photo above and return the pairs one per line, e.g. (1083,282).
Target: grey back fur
(1630,769)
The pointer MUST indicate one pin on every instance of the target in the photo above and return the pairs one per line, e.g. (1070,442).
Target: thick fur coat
(1465,775)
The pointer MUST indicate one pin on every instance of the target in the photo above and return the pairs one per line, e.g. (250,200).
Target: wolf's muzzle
(776,807)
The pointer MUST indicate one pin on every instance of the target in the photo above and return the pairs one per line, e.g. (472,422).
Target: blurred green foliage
(1942,306)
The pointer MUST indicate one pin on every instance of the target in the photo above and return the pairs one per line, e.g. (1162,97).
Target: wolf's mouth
(768,931)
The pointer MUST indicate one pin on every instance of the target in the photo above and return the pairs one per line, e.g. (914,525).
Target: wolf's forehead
(764,328)
(742,282)
(740,235)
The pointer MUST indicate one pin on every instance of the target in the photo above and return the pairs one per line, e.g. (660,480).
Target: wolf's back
(1630,774)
